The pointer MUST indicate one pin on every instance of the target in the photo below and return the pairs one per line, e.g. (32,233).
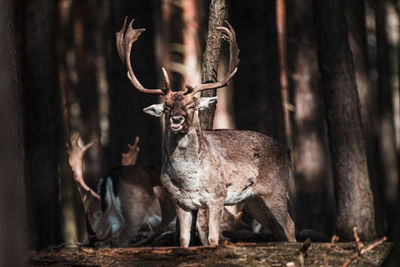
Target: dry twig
(333,240)
(303,251)
(360,247)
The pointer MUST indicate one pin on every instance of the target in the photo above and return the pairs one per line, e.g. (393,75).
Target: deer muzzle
(176,123)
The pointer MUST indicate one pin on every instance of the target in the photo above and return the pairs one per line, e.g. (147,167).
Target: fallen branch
(360,247)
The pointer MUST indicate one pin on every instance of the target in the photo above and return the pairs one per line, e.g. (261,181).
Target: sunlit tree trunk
(12,188)
(209,65)
(281,30)
(347,146)
(314,189)
(193,38)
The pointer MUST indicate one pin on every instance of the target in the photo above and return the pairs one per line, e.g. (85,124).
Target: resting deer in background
(126,199)
(210,169)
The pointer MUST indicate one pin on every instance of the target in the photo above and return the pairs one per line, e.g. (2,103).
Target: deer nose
(177,119)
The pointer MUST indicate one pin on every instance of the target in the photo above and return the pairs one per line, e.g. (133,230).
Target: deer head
(180,108)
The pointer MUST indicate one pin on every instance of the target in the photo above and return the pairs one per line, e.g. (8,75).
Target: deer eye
(190,106)
(167,109)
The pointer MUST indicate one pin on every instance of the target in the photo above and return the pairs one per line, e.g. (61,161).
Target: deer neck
(189,146)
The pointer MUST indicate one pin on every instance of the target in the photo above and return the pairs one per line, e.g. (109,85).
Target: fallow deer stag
(210,169)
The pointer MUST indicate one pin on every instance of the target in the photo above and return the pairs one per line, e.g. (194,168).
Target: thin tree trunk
(12,189)
(209,67)
(281,28)
(86,22)
(41,119)
(388,167)
(347,145)
(257,99)
(72,212)
(193,20)
(314,188)
(174,42)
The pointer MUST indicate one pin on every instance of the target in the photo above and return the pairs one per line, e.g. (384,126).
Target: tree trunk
(86,24)
(41,119)
(127,118)
(193,37)
(173,42)
(209,66)
(388,168)
(12,189)
(314,188)
(281,28)
(347,145)
(356,21)
(257,99)
(72,212)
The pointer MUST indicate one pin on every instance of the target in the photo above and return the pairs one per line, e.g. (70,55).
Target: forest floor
(228,254)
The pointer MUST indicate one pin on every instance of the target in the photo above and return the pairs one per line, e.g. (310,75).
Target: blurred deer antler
(75,159)
(130,157)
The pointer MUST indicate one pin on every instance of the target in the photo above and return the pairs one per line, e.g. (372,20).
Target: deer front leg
(215,213)
(185,223)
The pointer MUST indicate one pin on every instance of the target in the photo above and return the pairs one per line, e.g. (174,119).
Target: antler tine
(230,35)
(89,145)
(167,83)
(130,157)
(124,45)
(120,41)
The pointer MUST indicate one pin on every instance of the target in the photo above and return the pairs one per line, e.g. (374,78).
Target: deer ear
(205,102)
(156,110)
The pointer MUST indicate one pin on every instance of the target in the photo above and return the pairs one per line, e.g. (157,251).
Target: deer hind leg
(272,213)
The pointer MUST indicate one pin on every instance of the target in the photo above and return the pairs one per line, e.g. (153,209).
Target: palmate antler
(75,159)
(127,36)
(124,41)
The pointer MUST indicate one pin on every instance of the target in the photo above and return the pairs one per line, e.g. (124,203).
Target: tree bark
(349,163)
(257,96)
(314,189)
(126,116)
(356,21)
(41,118)
(209,66)
(12,188)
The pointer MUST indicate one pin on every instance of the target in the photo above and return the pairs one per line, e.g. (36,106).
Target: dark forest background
(321,77)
